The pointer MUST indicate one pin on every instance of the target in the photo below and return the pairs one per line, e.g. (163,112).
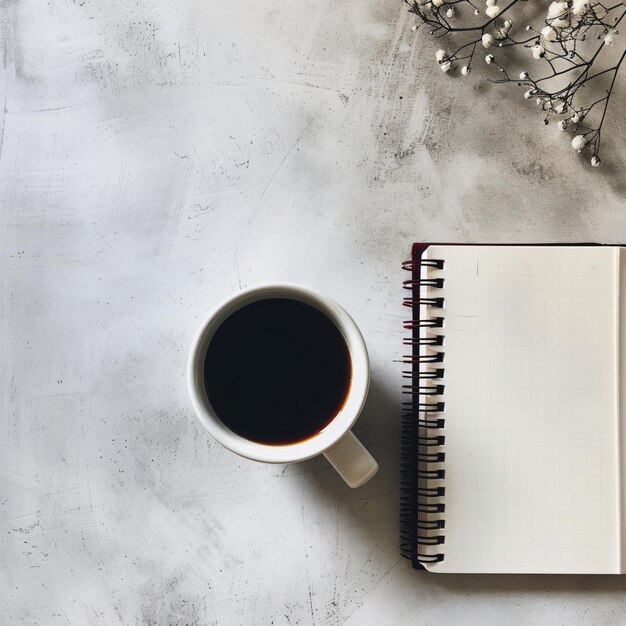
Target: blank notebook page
(531,424)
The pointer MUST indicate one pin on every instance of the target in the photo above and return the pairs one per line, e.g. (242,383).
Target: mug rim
(335,429)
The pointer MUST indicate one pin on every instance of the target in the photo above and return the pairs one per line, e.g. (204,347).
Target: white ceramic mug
(336,441)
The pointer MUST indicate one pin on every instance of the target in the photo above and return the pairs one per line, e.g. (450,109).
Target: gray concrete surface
(157,155)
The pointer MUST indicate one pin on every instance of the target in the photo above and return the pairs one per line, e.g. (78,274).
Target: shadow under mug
(336,441)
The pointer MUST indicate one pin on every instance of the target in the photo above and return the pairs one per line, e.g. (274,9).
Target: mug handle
(353,462)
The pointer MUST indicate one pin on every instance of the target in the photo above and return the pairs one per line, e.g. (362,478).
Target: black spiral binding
(422,509)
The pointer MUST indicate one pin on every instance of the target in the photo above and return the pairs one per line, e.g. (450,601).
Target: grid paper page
(530,409)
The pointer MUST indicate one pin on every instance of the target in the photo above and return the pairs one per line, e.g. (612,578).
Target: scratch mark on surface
(236,264)
(30,480)
(14,519)
(29,544)
(273,79)
(70,487)
(377,584)
(6,85)
(311,604)
(364,498)
(269,182)
(387,572)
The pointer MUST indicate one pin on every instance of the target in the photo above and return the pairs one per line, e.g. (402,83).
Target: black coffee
(277,371)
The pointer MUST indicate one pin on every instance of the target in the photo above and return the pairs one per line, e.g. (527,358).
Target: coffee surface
(277,371)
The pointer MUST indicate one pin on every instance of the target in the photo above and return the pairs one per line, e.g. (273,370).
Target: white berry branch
(569,46)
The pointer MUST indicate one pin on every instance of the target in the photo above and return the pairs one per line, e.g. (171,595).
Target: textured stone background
(157,155)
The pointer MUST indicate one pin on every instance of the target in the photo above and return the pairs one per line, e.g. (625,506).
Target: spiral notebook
(514,451)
